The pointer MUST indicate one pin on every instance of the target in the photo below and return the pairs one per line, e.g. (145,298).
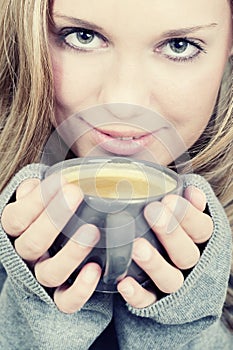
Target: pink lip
(122,143)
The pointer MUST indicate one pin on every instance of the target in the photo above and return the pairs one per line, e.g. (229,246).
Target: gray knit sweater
(187,319)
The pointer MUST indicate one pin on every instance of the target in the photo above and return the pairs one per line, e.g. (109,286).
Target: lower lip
(121,147)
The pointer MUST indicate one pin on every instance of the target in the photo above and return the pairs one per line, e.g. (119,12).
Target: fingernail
(200,197)
(91,274)
(142,252)
(194,193)
(87,235)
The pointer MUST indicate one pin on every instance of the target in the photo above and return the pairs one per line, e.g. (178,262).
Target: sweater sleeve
(188,318)
(29,318)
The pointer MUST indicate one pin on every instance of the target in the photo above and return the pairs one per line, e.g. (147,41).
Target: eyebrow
(79,22)
(170,33)
(188,30)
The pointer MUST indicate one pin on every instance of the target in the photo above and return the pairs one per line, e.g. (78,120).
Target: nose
(125,89)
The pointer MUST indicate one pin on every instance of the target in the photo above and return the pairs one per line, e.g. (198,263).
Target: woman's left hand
(180,224)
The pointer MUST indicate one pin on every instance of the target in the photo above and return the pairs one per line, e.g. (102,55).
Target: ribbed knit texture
(187,319)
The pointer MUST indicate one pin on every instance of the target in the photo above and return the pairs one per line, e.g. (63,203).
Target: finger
(179,246)
(53,272)
(26,187)
(72,299)
(196,197)
(198,225)
(165,276)
(40,235)
(19,215)
(135,294)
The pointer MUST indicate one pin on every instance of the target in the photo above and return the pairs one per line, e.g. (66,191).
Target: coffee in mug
(116,190)
(127,181)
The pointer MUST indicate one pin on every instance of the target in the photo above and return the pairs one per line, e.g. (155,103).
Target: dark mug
(116,190)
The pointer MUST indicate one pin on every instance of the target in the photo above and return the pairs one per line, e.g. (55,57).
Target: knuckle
(12,223)
(17,226)
(32,250)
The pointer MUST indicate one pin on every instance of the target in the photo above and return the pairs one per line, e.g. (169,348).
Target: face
(140,78)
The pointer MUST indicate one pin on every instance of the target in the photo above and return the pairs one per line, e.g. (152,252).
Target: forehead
(141,12)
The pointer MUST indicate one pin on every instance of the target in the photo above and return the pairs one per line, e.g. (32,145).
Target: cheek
(190,102)
(193,97)
(75,87)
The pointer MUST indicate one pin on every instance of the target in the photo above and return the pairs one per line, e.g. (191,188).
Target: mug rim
(65,164)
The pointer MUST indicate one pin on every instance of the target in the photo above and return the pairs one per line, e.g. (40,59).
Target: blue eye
(178,46)
(83,39)
(180,49)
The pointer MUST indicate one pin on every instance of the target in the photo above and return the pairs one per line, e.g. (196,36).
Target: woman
(166,58)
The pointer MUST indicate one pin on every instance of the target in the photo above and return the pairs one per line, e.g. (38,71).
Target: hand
(179,224)
(34,220)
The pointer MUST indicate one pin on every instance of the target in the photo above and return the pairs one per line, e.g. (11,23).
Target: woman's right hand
(34,220)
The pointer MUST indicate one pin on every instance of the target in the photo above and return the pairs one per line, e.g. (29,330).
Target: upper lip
(121,131)
(123,134)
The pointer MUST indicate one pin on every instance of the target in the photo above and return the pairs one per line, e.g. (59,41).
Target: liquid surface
(122,181)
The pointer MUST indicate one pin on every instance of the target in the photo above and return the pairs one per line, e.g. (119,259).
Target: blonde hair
(25,84)
(214,161)
(26,105)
